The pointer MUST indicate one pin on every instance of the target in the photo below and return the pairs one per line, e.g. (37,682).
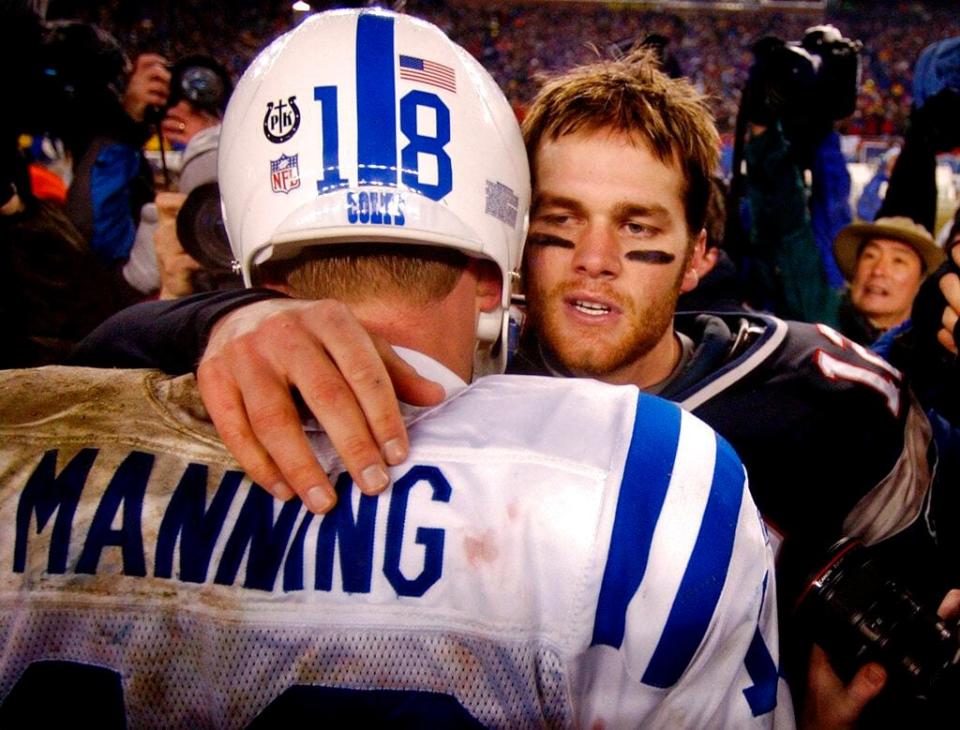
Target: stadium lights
(301,10)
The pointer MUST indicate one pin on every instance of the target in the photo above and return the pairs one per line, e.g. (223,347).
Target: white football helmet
(368,126)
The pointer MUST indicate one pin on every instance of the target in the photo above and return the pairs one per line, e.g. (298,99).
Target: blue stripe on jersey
(646,476)
(705,575)
(762,696)
(376,102)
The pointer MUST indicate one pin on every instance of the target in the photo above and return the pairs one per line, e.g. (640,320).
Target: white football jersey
(553,553)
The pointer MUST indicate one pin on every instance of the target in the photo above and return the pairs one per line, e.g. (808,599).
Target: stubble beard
(600,351)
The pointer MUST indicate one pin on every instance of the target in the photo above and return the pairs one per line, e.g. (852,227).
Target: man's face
(607,256)
(886,280)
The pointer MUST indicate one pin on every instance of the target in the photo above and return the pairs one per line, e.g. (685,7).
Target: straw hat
(851,239)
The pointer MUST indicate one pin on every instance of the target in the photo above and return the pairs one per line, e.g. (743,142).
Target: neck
(884,323)
(431,330)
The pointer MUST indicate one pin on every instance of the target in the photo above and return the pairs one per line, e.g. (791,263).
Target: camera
(201,231)
(81,74)
(814,78)
(859,613)
(200,81)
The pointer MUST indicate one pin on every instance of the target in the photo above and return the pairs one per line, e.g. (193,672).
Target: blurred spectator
(54,291)
(933,129)
(873,193)
(787,275)
(104,129)
(142,270)
(200,89)
(517,41)
(885,263)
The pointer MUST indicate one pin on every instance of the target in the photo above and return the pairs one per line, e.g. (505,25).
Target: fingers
(182,122)
(225,404)
(945,338)
(169,204)
(949,609)
(174,131)
(275,426)
(409,385)
(145,60)
(149,84)
(950,286)
(352,397)
(865,685)
(257,354)
(829,704)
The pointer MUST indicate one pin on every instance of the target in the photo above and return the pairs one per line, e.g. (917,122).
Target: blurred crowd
(518,41)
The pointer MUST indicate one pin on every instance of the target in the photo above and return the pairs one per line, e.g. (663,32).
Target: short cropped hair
(418,275)
(633,96)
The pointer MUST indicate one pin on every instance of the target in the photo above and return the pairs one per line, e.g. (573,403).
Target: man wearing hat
(884,263)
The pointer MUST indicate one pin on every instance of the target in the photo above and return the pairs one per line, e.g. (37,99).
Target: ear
(708,261)
(489,284)
(695,261)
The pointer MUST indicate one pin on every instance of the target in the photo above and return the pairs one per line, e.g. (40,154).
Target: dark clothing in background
(719,291)
(786,274)
(112,182)
(54,291)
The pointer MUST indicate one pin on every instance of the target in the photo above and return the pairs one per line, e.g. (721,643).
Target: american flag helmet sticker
(413,68)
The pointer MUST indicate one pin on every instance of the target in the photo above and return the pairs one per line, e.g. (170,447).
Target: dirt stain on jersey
(482,549)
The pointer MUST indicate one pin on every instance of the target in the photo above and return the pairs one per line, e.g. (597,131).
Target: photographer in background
(101,114)
(795,93)
(54,290)
(934,128)
(199,91)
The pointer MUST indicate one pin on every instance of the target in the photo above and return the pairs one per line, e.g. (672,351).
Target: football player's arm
(733,680)
(702,640)
(349,379)
(167,335)
(256,355)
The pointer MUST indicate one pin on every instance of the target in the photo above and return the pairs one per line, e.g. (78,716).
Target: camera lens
(859,613)
(201,86)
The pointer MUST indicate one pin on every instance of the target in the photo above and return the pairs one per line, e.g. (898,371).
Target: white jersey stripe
(700,589)
(684,505)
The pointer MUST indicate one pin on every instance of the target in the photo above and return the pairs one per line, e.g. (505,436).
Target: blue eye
(640,229)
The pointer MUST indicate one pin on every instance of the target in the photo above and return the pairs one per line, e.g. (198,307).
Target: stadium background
(518,42)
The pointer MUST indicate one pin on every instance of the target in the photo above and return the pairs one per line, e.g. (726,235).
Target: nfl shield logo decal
(284,174)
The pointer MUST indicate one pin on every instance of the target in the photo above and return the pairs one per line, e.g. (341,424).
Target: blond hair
(418,275)
(633,96)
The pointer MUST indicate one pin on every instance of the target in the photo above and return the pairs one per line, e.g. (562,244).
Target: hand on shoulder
(350,380)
